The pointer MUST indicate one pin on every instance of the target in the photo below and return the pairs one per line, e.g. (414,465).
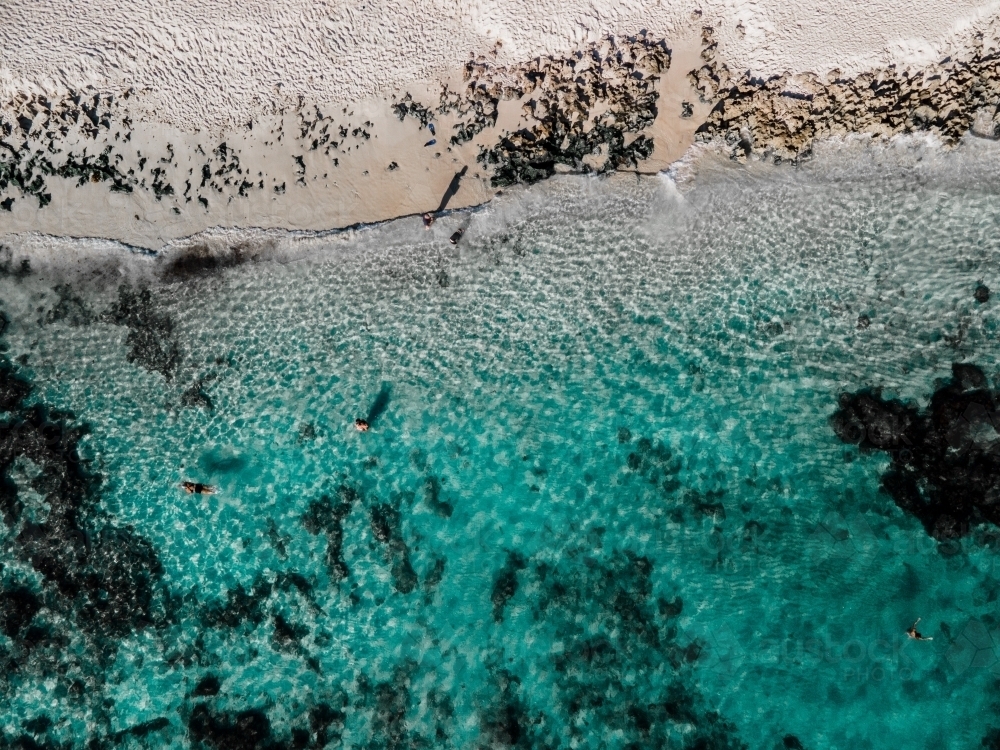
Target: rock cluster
(594,103)
(781,116)
(945,467)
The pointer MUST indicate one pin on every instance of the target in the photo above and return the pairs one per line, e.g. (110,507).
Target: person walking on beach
(915,634)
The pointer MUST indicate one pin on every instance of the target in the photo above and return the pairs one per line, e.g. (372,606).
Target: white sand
(203,73)
(223,63)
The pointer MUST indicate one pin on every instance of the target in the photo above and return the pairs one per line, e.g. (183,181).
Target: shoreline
(108,260)
(89,167)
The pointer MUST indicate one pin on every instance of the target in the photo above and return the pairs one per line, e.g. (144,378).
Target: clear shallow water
(602,499)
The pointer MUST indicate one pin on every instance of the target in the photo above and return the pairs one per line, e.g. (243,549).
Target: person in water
(360,425)
(197,488)
(428,220)
(915,634)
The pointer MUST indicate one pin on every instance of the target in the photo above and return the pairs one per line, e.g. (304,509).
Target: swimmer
(428,220)
(915,634)
(197,488)
(360,425)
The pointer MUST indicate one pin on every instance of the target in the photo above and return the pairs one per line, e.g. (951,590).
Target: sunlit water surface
(603,422)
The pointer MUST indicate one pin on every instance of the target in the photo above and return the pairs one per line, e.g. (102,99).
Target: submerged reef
(79,589)
(151,340)
(92,581)
(945,462)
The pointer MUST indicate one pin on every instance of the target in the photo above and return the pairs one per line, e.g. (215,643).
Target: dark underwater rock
(195,396)
(13,388)
(323,718)
(325,516)
(70,308)
(97,582)
(208,685)
(240,606)
(287,633)
(18,606)
(432,496)
(945,462)
(506,584)
(106,575)
(603,612)
(151,341)
(246,730)
(982,294)
(385,524)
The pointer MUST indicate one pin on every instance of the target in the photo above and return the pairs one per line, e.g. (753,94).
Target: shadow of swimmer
(380,404)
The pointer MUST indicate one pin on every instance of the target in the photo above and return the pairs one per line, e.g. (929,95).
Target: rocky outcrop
(782,116)
(596,103)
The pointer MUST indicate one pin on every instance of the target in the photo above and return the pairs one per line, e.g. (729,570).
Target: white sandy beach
(249,114)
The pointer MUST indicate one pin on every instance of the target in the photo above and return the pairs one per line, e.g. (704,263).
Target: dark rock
(70,308)
(287,633)
(151,339)
(13,388)
(195,396)
(101,580)
(240,606)
(208,685)
(506,584)
(385,525)
(38,725)
(435,575)
(945,463)
(432,496)
(322,718)
(982,294)
(247,730)
(144,729)
(325,516)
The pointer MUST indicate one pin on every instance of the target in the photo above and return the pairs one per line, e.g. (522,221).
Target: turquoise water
(600,504)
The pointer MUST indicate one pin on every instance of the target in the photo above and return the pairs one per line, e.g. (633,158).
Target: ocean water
(600,505)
